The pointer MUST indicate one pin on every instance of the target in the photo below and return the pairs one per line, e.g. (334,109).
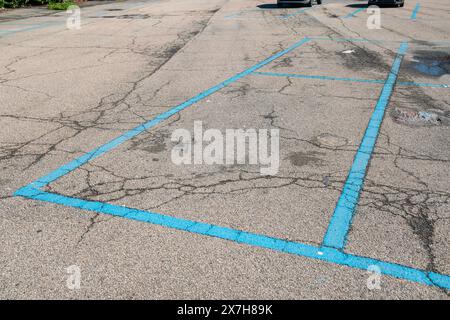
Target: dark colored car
(399,3)
(309,3)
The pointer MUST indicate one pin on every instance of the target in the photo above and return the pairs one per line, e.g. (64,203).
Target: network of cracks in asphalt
(419,207)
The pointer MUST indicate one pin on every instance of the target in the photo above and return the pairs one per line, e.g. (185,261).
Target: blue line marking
(290,75)
(415,12)
(351,40)
(329,255)
(418,84)
(375,40)
(286,16)
(354,13)
(63,170)
(233,15)
(358,80)
(343,214)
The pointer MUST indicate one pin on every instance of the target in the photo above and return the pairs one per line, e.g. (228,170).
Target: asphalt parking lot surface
(88,179)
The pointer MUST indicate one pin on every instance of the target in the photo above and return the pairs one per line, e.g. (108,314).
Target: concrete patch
(330,140)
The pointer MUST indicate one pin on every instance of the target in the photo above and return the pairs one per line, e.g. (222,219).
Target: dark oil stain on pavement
(430,63)
(134,16)
(283,63)
(170,51)
(328,140)
(156,148)
(363,59)
(423,227)
(300,159)
(151,143)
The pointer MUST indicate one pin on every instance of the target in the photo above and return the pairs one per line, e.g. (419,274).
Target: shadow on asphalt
(274,6)
(365,5)
(357,5)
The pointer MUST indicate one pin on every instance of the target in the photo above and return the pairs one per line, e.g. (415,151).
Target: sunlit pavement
(359,205)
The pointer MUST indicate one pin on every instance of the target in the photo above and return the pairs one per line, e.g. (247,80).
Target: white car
(281,3)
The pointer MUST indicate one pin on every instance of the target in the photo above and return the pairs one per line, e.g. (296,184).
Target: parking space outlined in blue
(332,250)
(341,220)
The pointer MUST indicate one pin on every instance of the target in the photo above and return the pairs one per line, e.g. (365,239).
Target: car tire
(309,4)
(319,2)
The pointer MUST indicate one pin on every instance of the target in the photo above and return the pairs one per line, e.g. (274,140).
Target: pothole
(420,118)
(329,140)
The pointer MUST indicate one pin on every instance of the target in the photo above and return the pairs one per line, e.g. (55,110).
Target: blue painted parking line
(327,254)
(300,11)
(351,40)
(418,84)
(415,12)
(356,80)
(377,41)
(232,15)
(240,13)
(354,13)
(343,214)
(290,75)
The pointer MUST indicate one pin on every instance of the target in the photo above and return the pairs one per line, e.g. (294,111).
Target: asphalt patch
(329,140)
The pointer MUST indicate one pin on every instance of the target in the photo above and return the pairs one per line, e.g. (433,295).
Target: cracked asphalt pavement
(66,92)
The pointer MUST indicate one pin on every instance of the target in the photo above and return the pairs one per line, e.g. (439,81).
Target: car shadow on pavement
(275,6)
(365,5)
(357,5)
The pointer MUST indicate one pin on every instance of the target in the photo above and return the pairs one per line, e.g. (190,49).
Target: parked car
(308,3)
(399,3)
